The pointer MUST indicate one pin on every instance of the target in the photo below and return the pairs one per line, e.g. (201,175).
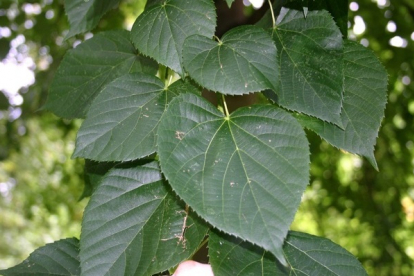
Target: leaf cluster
(169,171)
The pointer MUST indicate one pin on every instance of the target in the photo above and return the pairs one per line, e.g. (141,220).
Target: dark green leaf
(244,61)
(338,9)
(134,225)
(4,101)
(94,173)
(4,48)
(365,97)
(312,255)
(84,15)
(161,29)
(86,69)
(122,121)
(232,256)
(245,174)
(306,255)
(54,259)
(310,54)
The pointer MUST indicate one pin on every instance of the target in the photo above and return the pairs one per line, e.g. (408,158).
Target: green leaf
(306,255)
(54,259)
(94,173)
(134,225)
(312,255)
(122,121)
(365,97)
(233,256)
(245,174)
(85,70)
(244,61)
(338,9)
(4,101)
(310,54)
(84,15)
(229,2)
(161,29)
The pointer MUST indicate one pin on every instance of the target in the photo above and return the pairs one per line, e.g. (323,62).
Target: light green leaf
(244,61)
(244,174)
(306,255)
(161,29)
(54,259)
(229,2)
(310,56)
(134,225)
(84,15)
(365,97)
(122,121)
(85,70)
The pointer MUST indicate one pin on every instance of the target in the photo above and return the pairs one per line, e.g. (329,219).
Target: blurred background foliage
(369,213)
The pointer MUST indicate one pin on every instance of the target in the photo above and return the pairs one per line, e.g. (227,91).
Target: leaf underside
(134,225)
(54,259)
(84,15)
(160,31)
(243,62)
(85,70)
(306,255)
(310,56)
(365,97)
(245,174)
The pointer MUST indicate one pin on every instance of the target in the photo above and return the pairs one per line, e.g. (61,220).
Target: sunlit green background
(369,213)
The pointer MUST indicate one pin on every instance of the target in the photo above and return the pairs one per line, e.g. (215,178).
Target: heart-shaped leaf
(85,70)
(134,225)
(306,255)
(161,29)
(365,97)
(244,61)
(54,259)
(245,174)
(310,56)
(122,121)
(84,15)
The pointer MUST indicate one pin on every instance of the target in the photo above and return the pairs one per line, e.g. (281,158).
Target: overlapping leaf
(243,61)
(244,174)
(306,255)
(94,173)
(363,105)
(84,15)
(86,69)
(134,225)
(122,121)
(55,259)
(160,31)
(310,56)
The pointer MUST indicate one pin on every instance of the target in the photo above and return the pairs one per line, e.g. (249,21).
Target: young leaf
(244,61)
(161,29)
(85,70)
(306,255)
(245,174)
(54,259)
(123,119)
(85,15)
(365,97)
(310,54)
(134,225)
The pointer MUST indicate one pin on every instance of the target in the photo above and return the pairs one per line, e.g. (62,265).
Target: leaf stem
(272,13)
(226,111)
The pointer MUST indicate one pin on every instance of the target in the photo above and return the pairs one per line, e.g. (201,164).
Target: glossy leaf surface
(54,259)
(160,31)
(134,225)
(310,56)
(84,15)
(244,174)
(243,62)
(363,107)
(85,70)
